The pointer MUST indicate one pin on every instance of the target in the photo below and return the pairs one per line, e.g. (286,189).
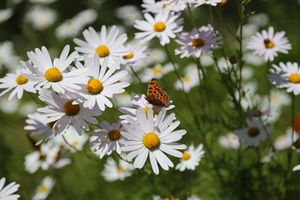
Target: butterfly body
(156,95)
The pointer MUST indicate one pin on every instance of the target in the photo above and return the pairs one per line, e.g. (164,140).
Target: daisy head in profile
(164,25)
(268,44)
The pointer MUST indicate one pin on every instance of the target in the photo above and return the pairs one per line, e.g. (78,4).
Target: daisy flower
(106,44)
(146,138)
(54,74)
(141,102)
(268,44)
(164,25)
(44,189)
(254,132)
(40,17)
(136,54)
(8,57)
(105,81)
(159,6)
(285,141)
(229,141)
(108,138)
(114,171)
(191,158)
(17,83)
(207,2)
(286,76)
(6,193)
(5,14)
(70,140)
(36,123)
(197,42)
(71,27)
(128,14)
(42,158)
(157,72)
(189,80)
(64,112)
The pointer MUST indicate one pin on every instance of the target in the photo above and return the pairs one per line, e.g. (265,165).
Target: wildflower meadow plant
(173,99)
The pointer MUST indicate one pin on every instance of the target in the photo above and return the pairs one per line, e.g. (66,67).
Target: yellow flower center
(70,109)
(198,42)
(186,79)
(151,141)
(75,143)
(130,55)
(253,131)
(120,169)
(42,189)
(114,135)
(102,51)
(269,44)
(94,86)
(294,78)
(159,27)
(157,70)
(21,80)
(186,156)
(53,75)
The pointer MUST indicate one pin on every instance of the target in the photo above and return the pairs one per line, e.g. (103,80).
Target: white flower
(43,190)
(254,132)
(157,71)
(191,158)
(5,14)
(71,27)
(229,141)
(108,138)
(145,137)
(128,13)
(163,26)
(197,42)
(296,168)
(6,193)
(135,55)
(267,44)
(40,17)
(36,123)
(193,197)
(189,80)
(63,112)
(286,76)
(70,140)
(285,141)
(17,83)
(108,43)
(114,171)
(207,2)
(42,157)
(160,6)
(54,74)
(8,57)
(105,81)
(140,102)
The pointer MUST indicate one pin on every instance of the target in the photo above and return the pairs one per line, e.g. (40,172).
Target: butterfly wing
(155,94)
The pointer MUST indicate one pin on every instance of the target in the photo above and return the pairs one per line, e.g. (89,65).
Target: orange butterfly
(155,94)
